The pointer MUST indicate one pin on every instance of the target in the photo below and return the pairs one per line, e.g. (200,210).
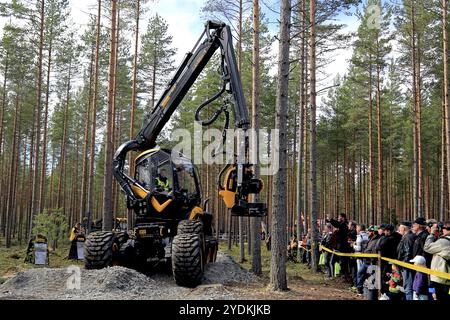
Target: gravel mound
(123,283)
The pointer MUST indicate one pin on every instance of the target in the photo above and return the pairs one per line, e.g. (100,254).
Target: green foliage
(53,225)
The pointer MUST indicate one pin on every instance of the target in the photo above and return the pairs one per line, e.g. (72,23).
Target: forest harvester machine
(171,226)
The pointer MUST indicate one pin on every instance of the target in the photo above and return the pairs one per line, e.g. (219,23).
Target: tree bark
(256,221)
(108,183)
(313,147)
(446,93)
(90,195)
(44,138)
(278,279)
(133,105)
(35,185)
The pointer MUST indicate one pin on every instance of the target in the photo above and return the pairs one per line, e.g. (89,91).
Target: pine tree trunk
(299,198)
(446,92)
(380,209)
(62,177)
(3,193)
(11,194)
(35,184)
(313,147)
(133,104)
(84,170)
(90,195)
(278,279)
(44,137)
(371,169)
(108,182)
(256,221)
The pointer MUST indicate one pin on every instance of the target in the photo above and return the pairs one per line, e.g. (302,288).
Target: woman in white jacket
(440,249)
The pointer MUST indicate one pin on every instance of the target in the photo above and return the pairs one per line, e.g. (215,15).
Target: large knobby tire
(190,226)
(98,250)
(187,259)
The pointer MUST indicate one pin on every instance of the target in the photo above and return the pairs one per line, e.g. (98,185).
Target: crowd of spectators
(421,242)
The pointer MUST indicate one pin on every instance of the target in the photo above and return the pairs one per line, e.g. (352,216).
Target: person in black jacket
(419,227)
(342,244)
(405,253)
(388,249)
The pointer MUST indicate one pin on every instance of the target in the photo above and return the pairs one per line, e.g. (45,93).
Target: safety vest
(160,183)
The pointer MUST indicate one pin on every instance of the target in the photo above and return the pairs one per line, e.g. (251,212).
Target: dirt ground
(224,279)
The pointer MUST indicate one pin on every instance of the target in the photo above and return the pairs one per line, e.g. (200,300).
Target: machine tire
(187,260)
(98,249)
(190,226)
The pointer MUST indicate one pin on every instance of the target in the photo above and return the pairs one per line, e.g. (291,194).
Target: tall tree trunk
(380,207)
(133,104)
(3,193)
(90,194)
(84,170)
(107,184)
(11,197)
(371,169)
(44,137)
(446,93)
(62,177)
(35,185)
(278,279)
(313,147)
(256,221)
(299,198)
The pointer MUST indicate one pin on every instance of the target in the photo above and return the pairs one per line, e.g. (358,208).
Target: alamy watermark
(74,280)
(209,147)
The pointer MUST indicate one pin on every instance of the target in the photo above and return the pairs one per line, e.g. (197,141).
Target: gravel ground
(123,283)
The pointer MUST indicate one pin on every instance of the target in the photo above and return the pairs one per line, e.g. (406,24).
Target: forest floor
(224,279)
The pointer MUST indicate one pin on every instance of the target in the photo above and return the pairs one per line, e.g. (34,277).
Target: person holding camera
(439,247)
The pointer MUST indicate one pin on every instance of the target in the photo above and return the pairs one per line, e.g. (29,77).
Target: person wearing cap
(440,249)
(420,283)
(419,227)
(405,253)
(388,249)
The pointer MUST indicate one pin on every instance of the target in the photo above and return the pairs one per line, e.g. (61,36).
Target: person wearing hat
(374,236)
(419,227)
(440,249)
(420,283)
(405,253)
(388,249)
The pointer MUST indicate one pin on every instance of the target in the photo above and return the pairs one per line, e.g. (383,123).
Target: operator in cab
(161,180)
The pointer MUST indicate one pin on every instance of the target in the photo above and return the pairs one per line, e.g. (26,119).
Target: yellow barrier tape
(407,265)
(436,273)
(356,255)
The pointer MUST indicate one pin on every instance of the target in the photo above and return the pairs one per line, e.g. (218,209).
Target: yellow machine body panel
(228,192)
(160,206)
(195,212)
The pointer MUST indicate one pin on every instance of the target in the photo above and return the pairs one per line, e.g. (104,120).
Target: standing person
(374,237)
(327,242)
(440,249)
(419,227)
(351,238)
(73,237)
(388,249)
(359,246)
(405,254)
(342,244)
(420,284)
